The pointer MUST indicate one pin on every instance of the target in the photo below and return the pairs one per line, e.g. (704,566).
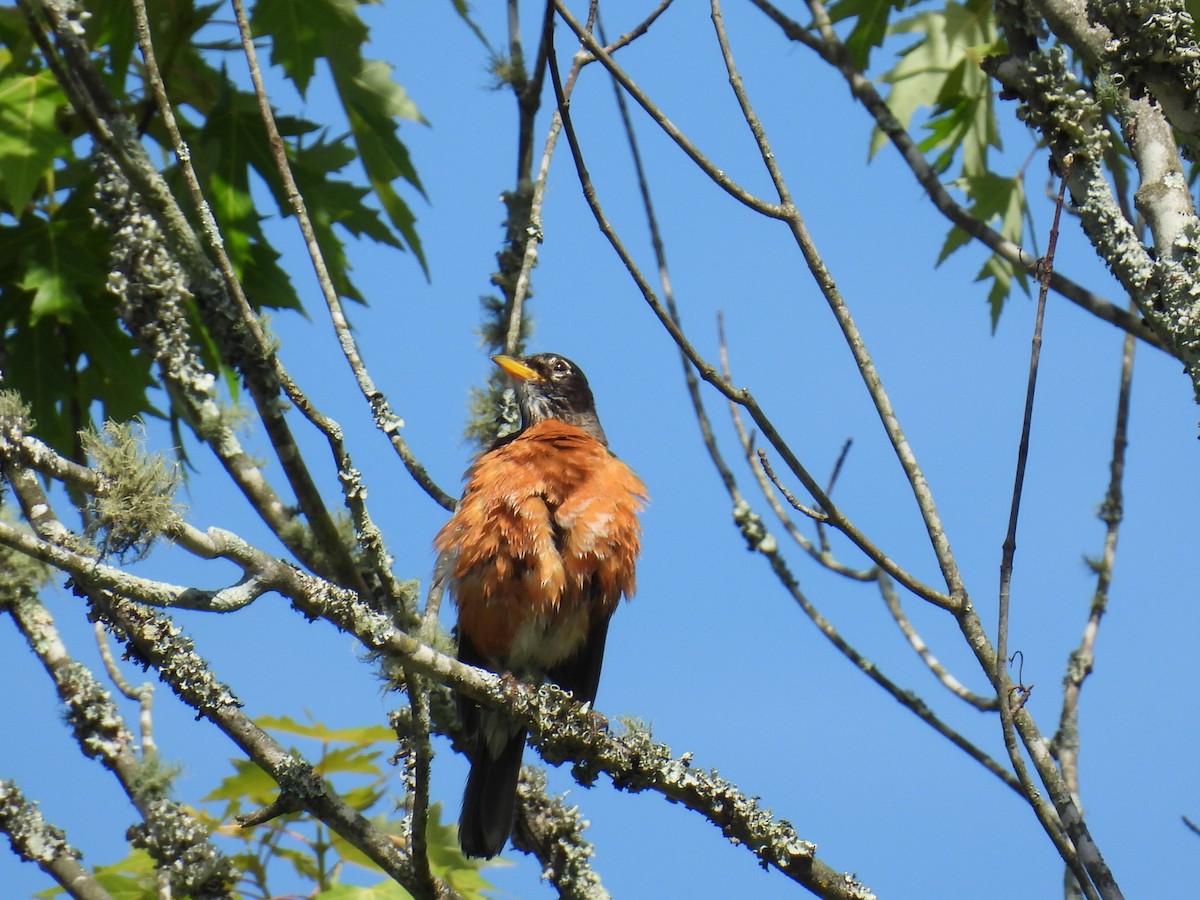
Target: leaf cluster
(63,345)
(293,846)
(939,77)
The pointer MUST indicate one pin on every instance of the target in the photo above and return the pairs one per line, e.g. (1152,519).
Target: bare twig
(817,516)
(143,694)
(711,375)
(833,476)
(952,684)
(1067,740)
(385,419)
(528,102)
(1010,538)
(1003,684)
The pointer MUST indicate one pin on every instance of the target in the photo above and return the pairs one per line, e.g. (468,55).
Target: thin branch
(143,694)
(833,476)
(629,36)
(718,176)
(819,517)
(1003,685)
(385,419)
(1010,539)
(892,599)
(259,365)
(854,340)
(528,104)
(740,396)
(1066,743)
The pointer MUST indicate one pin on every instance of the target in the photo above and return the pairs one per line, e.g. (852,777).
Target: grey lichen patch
(137,500)
(751,525)
(1057,103)
(32,838)
(98,725)
(493,411)
(295,776)
(180,846)
(154,778)
(155,301)
(155,640)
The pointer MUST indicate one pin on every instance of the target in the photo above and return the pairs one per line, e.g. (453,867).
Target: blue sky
(711,652)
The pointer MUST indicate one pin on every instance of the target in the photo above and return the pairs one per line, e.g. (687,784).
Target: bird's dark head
(550,386)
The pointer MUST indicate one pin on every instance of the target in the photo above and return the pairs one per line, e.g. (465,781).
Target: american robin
(538,553)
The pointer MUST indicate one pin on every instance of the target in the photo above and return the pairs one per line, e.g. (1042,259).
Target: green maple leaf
(55,263)
(999,201)
(303,31)
(870,25)
(941,72)
(30,137)
(232,142)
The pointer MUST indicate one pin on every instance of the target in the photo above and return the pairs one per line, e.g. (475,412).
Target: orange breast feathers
(542,544)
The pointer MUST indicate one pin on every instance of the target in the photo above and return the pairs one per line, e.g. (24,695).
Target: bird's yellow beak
(516,369)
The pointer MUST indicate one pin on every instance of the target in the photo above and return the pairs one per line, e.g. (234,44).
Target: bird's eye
(560,367)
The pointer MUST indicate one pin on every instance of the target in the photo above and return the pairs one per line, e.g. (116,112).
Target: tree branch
(830,48)
(35,840)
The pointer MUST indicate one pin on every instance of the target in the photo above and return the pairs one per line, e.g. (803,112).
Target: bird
(537,555)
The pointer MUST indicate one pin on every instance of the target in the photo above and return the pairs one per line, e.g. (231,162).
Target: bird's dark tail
(490,797)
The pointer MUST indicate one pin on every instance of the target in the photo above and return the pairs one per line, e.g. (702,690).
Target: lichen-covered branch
(566,732)
(35,840)
(179,844)
(1070,118)
(158,642)
(554,833)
